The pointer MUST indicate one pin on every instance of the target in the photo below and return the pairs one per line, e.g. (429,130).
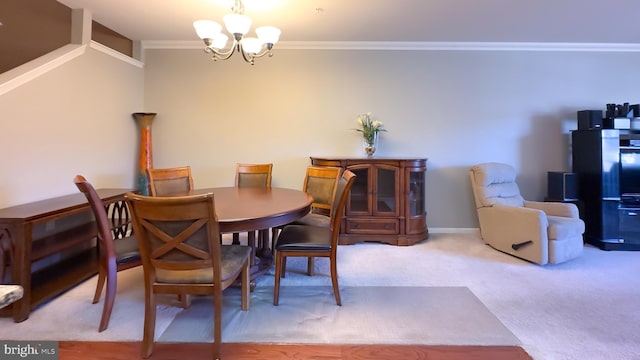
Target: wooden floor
(76,350)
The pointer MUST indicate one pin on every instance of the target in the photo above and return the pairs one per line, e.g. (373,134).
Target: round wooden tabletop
(242,209)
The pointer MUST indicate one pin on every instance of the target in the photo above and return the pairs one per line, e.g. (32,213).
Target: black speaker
(562,186)
(589,119)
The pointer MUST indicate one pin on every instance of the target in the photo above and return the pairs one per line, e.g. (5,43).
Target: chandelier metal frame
(238,25)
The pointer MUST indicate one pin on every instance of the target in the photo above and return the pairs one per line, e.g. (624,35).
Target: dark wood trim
(112,39)
(32,28)
(75,350)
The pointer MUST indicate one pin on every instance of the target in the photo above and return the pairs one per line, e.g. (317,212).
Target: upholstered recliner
(540,232)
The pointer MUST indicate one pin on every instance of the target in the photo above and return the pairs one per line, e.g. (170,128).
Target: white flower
(368,126)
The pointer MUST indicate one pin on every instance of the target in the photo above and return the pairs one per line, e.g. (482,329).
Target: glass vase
(371,144)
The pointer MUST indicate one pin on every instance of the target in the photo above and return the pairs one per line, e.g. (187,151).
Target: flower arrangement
(369,127)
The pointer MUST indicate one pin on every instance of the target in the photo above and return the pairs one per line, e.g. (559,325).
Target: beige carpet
(369,315)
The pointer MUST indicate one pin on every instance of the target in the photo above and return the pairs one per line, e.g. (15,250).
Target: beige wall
(456,108)
(74,119)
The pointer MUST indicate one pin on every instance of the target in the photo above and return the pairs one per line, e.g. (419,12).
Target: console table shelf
(387,200)
(49,246)
(56,243)
(56,279)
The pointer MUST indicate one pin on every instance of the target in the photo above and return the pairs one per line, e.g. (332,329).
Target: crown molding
(416,46)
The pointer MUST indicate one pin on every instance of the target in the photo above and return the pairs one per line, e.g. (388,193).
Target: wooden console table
(386,202)
(45,256)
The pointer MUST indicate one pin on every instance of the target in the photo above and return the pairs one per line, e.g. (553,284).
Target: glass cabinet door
(385,190)
(415,201)
(360,201)
(416,193)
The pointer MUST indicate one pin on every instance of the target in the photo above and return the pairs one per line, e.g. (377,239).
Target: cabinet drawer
(373,226)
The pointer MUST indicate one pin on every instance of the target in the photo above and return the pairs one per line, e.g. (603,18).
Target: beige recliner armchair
(540,232)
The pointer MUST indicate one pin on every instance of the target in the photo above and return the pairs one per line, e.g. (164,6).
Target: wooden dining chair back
(314,241)
(253,175)
(170,181)
(321,183)
(181,254)
(114,255)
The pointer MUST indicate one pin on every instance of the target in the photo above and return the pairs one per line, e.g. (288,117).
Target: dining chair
(320,182)
(314,241)
(114,254)
(170,181)
(181,254)
(252,175)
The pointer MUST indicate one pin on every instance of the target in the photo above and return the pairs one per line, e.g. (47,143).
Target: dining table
(251,209)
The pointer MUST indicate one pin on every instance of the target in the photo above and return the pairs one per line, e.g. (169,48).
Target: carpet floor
(584,309)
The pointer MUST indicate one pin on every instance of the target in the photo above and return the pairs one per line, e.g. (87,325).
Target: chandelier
(238,25)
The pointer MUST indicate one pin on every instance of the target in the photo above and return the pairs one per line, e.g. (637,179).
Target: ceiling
(559,21)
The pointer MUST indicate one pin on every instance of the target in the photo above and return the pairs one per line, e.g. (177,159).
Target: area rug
(369,315)
(426,315)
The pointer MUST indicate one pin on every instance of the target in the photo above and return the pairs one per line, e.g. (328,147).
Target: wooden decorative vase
(146,150)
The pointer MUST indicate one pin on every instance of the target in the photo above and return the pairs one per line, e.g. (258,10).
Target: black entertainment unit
(607,164)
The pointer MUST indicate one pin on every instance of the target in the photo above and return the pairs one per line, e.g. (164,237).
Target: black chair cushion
(126,250)
(304,238)
(312,219)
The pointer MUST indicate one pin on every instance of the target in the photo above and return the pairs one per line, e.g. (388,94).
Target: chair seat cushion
(304,238)
(126,249)
(10,294)
(232,258)
(313,219)
(564,227)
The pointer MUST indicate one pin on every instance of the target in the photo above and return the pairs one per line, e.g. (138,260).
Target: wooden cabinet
(387,200)
(49,246)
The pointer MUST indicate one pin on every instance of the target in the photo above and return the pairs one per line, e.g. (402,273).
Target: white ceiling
(560,21)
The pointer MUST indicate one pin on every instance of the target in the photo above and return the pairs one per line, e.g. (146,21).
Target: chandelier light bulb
(220,41)
(268,34)
(251,45)
(207,29)
(237,23)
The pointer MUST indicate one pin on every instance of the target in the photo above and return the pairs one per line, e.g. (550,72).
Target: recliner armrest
(554,208)
(523,216)
(504,226)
